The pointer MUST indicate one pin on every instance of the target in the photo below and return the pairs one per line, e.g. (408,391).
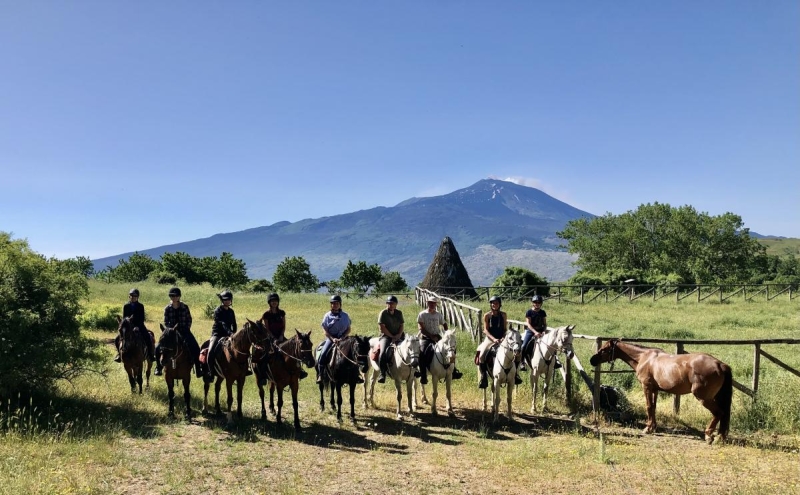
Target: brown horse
(133,352)
(231,364)
(282,368)
(176,358)
(707,378)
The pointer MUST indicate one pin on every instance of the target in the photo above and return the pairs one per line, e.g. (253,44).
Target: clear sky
(130,125)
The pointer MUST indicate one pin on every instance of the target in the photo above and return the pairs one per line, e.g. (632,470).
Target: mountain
(492,223)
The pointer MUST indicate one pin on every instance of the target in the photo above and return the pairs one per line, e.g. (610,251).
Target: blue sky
(130,125)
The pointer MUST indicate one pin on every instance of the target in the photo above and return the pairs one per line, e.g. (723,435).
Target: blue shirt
(336,324)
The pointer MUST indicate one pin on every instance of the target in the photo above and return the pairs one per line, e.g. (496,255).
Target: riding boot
(484,376)
(517,379)
(117,358)
(557,365)
(423,379)
(417,373)
(159,367)
(301,371)
(319,373)
(382,376)
(198,369)
(456,373)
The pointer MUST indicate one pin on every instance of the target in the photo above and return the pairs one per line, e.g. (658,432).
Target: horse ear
(250,321)
(298,332)
(162,327)
(119,320)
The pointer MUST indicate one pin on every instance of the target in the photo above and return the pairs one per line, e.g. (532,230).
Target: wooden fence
(456,313)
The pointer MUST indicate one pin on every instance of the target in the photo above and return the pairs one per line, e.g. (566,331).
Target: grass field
(95,437)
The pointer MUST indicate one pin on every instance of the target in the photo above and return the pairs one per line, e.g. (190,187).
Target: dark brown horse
(231,364)
(282,368)
(133,351)
(176,358)
(707,378)
(349,360)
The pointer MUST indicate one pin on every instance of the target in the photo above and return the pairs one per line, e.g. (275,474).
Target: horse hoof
(709,439)
(451,414)
(425,401)
(399,417)
(263,416)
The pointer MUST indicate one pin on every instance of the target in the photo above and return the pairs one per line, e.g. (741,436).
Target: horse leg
(139,379)
(272,398)
(434,393)
(352,388)
(651,396)
(333,398)
(280,406)
(546,386)
(338,406)
(131,379)
(370,400)
(495,399)
(239,390)
(294,386)
(448,381)
(147,373)
(261,396)
(171,395)
(322,396)
(206,386)
(534,387)
(509,395)
(187,398)
(399,397)
(410,394)
(716,413)
(217,387)
(229,389)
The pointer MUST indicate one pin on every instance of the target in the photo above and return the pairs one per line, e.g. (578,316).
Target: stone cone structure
(446,274)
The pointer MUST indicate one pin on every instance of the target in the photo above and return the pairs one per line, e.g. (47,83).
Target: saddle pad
(204,356)
(374,352)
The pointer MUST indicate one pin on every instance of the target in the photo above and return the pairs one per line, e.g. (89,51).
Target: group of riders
(336,325)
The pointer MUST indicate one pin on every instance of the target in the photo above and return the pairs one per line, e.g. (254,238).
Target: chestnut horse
(176,358)
(282,369)
(707,378)
(133,352)
(231,363)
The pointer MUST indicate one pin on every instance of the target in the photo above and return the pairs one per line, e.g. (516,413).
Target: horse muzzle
(595,360)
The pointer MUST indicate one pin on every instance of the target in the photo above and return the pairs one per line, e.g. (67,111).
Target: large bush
(39,329)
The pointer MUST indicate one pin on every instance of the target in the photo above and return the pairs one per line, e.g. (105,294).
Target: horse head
(512,341)
(127,332)
(170,343)
(448,345)
(564,340)
(409,350)
(606,353)
(306,348)
(257,332)
(361,349)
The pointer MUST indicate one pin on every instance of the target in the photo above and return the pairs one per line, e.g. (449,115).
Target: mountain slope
(495,216)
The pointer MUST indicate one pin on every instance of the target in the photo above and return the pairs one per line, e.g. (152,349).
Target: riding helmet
(537,298)
(174,292)
(336,298)
(225,295)
(391,299)
(496,298)
(273,297)
(134,292)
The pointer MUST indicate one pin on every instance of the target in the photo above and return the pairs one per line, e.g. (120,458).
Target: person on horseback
(495,323)
(224,326)
(391,323)
(535,326)
(336,325)
(177,313)
(429,321)
(274,320)
(135,311)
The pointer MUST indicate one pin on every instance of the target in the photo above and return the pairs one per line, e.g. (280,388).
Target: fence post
(596,391)
(756,366)
(790,294)
(676,401)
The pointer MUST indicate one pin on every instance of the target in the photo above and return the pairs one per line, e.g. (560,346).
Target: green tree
(658,243)
(391,282)
(80,264)
(39,329)
(360,276)
(260,285)
(135,269)
(184,266)
(228,271)
(293,274)
(529,282)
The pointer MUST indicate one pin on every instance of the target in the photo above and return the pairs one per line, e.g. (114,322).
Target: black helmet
(273,297)
(537,298)
(391,299)
(174,292)
(134,292)
(496,298)
(225,295)
(336,298)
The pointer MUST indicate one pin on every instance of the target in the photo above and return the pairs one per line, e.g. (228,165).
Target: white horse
(441,369)
(542,361)
(504,371)
(401,368)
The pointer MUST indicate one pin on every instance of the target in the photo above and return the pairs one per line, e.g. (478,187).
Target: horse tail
(723,399)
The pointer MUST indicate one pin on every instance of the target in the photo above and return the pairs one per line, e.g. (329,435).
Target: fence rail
(456,313)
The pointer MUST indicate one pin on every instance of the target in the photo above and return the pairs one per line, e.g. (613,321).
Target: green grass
(781,247)
(94,436)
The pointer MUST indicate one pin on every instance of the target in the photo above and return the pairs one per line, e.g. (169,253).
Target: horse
(133,352)
(282,370)
(504,370)
(441,369)
(707,378)
(231,364)
(349,358)
(542,360)
(402,364)
(176,358)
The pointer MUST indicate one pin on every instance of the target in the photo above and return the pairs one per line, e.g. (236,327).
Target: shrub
(103,317)
(260,285)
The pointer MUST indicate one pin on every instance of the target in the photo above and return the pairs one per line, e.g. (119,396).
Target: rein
(503,345)
(443,353)
(398,353)
(339,350)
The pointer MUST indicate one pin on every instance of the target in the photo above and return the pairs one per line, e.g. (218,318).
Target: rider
(177,313)
(336,325)
(274,320)
(495,323)
(535,326)
(391,323)
(429,321)
(224,326)
(135,311)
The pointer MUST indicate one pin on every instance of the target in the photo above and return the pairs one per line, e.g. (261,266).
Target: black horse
(348,360)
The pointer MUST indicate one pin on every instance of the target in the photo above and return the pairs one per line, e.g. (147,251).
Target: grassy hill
(780,246)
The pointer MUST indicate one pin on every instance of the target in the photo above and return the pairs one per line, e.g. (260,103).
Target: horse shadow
(334,437)
(89,418)
(430,429)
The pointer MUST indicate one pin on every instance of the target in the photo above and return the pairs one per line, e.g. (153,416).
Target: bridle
(511,352)
(298,350)
(398,347)
(354,348)
(179,348)
(550,347)
(444,350)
